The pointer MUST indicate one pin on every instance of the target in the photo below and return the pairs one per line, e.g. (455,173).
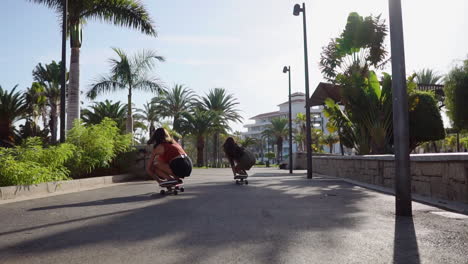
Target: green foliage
(425,121)
(360,45)
(456,92)
(173,103)
(128,73)
(96,145)
(30,163)
(12,109)
(317,140)
(329,140)
(100,110)
(270,155)
(427,76)
(278,129)
(248,141)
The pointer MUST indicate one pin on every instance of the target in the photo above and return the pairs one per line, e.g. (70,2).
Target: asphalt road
(277,218)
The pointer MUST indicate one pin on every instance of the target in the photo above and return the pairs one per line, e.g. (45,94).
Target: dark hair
(159,136)
(232,150)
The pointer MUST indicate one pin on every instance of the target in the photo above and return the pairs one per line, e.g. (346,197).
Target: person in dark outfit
(168,161)
(240,159)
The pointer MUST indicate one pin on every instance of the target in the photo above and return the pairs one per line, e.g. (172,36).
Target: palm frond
(104,85)
(125,13)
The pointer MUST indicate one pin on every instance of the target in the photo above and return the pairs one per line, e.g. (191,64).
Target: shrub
(30,163)
(96,146)
(425,121)
(456,91)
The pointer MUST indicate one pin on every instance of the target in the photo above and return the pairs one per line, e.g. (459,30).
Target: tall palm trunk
(129,123)
(215,136)
(73,106)
(53,122)
(279,144)
(200,147)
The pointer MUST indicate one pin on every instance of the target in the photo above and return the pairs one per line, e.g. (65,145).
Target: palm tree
(130,74)
(223,106)
(278,129)
(198,123)
(300,133)
(100,110)
(124,13)
(36,106)
(427,76)
(329,140)
(248,141)
(49,76)
(12,109)
(148,114)
(176,101)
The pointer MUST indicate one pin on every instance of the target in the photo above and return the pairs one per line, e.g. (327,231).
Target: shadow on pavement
(405,246)
(116,200)
(269,174)
(214,217)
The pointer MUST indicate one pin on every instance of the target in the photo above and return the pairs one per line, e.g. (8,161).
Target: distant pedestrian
(241,160)
(168,161)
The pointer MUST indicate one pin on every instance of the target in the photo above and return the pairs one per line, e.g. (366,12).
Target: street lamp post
(63,76)
(297,10)
(287,69)
(400,113)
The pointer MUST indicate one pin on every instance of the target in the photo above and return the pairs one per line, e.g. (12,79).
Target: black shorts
(182,167)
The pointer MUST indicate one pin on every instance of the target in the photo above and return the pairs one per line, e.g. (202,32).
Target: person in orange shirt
(168,161)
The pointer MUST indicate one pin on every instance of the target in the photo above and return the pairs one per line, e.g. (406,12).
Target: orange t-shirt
(170,152)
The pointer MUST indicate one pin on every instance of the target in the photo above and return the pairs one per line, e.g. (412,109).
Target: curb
(23,192)
(453,206)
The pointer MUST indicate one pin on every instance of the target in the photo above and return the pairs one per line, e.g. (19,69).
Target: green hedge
(86,148)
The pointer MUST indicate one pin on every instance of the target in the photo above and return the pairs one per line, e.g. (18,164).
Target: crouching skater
(168,161)
(241,160)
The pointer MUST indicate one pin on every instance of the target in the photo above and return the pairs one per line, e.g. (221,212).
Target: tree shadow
(270,215)
(109,201)
(405,246)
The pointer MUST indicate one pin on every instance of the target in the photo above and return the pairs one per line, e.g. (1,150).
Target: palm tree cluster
(41,101)
(196,118)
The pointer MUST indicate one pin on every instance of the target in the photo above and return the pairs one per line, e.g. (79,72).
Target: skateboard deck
(172,187)
(241,179)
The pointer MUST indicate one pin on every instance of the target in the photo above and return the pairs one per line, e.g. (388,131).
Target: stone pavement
(277,218)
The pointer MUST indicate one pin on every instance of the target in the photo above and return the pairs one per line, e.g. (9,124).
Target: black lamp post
(400,113)
(63,76)
(287,69)
(297,10)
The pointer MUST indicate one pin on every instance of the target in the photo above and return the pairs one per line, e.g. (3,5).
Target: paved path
(275,219)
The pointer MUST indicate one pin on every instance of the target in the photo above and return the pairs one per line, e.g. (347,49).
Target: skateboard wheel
(182,189)
(176,192)
(247,182)
(162,192)
(237,182)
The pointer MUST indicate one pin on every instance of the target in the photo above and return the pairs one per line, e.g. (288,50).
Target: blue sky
(239,45)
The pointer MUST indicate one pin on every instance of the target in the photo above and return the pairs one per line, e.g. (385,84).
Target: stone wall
(443,176)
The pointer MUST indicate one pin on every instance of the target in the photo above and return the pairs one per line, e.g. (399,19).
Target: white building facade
(262,121)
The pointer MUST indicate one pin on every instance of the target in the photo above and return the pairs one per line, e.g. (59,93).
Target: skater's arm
(156,152)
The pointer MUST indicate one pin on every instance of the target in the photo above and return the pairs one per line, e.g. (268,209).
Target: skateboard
(172,187)
(241,179)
